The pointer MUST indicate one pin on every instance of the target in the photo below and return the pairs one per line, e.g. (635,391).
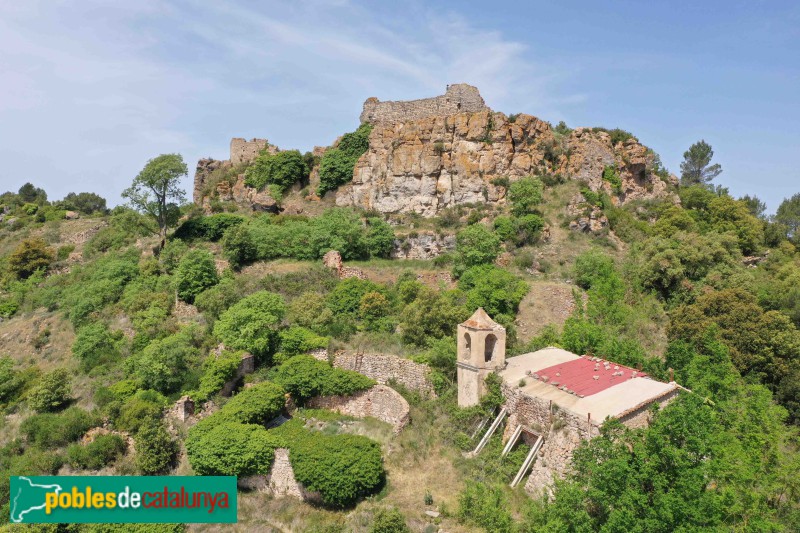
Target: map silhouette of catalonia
(29,497)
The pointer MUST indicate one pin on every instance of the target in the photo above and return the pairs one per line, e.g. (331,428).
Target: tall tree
(156,190)
(788,214)
(755,205)
(696,168)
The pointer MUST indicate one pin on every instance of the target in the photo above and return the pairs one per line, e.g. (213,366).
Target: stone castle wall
(459,98)
(379,401)
(384,368)
(243,151)
(280,481)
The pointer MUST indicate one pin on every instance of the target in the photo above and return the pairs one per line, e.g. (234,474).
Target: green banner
(122,499)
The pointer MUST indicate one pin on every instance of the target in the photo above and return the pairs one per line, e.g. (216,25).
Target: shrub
(591,266)
(283,169)
(52,392)
(29,256)
(102,451)
(255,405)
(337,164)
(525,194)
(432,315)
(390,520)
(11,381)
(562,128)
(155,450)
(164,363)
(496,290)
(298,340)
(238,247)
(84,202)
(343,468)
(218,370)
(209,228)
(374,310)
(214,300)
(528,227)
(485,506)
(231,449)
(140,410)
(505,228)
(50,430)
(305,377)
(476,245)
(309,310)
(196,273)
(380,238)
(611,175)
(346,298)
(95,344)
(251,323)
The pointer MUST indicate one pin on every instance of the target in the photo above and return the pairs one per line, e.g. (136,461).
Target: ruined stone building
(554,399)
(459,98)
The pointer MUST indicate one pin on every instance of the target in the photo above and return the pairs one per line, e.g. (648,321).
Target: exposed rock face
(585,217)
(425,165)
(423,246)
(204,169)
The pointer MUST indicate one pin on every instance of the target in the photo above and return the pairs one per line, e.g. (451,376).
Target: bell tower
(481,350)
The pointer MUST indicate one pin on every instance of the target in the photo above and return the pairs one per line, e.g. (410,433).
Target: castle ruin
(459,98)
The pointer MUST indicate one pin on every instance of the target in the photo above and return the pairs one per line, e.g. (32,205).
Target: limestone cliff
(425,165)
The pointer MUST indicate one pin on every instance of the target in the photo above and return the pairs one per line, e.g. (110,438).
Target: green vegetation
(305,377)
(696,168)
(282,169)
(196,272)
(102,451)
(251,323)
(337,164)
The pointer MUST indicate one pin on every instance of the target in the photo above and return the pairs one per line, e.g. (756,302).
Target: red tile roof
(587,375)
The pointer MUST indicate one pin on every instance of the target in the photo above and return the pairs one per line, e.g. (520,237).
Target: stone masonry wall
(243,151)
(379,401)
(459,98)
(384,368)
(639,416)
(280,481)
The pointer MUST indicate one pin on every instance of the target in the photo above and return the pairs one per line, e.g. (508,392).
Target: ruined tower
(481,350)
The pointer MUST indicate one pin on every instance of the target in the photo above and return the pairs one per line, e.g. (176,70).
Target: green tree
(337,164)
(380,238)
(230,449)
(238,246)
(29,193)
(156,191)
(283,169)
(696,168)
(196,272)
(498,291)
(755,205)
(29,256)
(84,202)
(95,344)
(52,392)
(251,324)
(525,194)
(788,214)
(432,315)
(389,521)
(476,245)
(164,363)
(155,449)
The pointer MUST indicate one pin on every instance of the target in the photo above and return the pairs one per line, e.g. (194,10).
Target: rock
(432,514)
(72,215)
(423,246)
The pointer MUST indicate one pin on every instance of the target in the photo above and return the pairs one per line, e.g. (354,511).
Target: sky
(90,90)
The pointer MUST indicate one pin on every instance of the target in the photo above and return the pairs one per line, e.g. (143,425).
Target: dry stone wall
(379,401)
(423,246)
(384,368)
(280,481)
(459,98)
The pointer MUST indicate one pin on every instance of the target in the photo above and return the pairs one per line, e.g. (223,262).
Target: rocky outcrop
(425,165)
(423,246)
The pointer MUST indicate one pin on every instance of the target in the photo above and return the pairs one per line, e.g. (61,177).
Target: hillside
(118,356)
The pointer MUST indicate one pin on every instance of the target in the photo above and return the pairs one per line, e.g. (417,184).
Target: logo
(123,499)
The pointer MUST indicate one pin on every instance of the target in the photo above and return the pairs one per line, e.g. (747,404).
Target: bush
(432,315)
(476,245)
(485,506)
(380,238)
(11,381)
(50,430)
(255,405)
(389,521)
(53,392)
(84,202)
(214,300)
(155,450)
(305,377)
(345,299)
(283,169)
(591,266)
(525,194)
(238,247)
(298,340)
(231,449)
(208,228)
(140,410)
(163,364)
(102,451)
(528,227)
(611,175)
(196,273)
(95,344)
(505,228)
(343,468)
(29,256)
(337,164)
(374,310)
(310,310)
(496,290)
(251,323)
(218,370)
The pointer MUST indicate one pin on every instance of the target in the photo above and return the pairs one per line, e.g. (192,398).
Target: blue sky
(90,90)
